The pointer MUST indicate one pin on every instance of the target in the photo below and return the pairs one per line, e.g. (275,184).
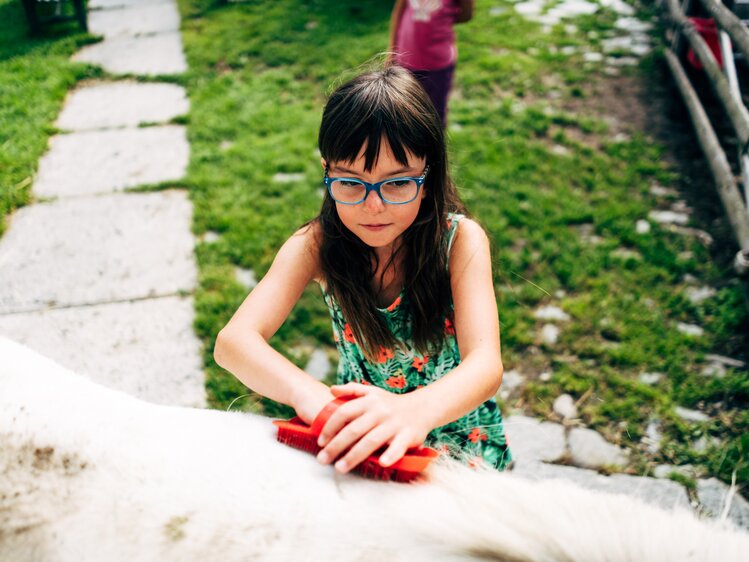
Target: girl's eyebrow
(391,173)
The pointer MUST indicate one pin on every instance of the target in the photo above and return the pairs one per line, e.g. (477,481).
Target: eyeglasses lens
(396,191)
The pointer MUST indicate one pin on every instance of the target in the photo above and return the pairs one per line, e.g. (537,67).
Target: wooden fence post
(716,158)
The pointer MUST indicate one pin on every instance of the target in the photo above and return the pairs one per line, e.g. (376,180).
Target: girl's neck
(388,277)
(384,253)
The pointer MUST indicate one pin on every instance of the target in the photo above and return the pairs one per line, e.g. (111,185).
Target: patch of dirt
(34,487)
(620,101)
(650,103)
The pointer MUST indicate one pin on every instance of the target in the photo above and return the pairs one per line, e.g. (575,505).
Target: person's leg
(437,84)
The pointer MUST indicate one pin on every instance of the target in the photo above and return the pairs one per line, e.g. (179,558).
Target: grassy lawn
(35,75)
(557,190)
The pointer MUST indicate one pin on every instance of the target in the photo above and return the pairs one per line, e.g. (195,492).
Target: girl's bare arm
(242,345)
(479,374)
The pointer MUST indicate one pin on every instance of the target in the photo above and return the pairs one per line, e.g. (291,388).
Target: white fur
(89,473)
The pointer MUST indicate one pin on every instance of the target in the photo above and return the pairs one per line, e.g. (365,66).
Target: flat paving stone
(551,314)
(97,249)
(564,406)
(588,449)
(149,55)
(134,20)
(533,440)
(145,348)
(245,277)
(122,104)
(318,365)
(662,493)
(665,493)
(713,494)
(91,162)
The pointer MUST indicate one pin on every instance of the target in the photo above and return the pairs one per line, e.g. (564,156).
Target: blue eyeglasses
(395,191)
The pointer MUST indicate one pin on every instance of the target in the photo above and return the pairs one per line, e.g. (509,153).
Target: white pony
(88,473)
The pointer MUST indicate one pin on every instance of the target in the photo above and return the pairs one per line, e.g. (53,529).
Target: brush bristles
(299,441)
(368,469)
(372,469)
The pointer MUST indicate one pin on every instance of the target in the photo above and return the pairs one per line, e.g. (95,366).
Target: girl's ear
(324,163)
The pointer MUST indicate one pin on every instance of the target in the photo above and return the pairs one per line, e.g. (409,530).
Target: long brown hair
(389,104)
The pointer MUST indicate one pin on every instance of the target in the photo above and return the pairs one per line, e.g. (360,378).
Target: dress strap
(452,228)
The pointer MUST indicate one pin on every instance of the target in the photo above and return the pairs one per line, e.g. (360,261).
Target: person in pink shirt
(423,41)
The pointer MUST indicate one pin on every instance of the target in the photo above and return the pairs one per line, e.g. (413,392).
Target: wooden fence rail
(733,202)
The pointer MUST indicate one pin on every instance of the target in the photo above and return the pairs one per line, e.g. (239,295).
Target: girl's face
(378,224)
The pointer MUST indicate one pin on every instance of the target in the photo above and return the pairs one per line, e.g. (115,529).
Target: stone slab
(134,20)
(588,449)
(145,348)
(122,104)
(97,249)
(91,162)
(662,493)
(533,440)
(318,365)
(665,493)
(713,494)
(149,55)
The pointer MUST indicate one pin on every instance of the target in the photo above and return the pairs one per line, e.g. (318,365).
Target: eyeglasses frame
(328,181)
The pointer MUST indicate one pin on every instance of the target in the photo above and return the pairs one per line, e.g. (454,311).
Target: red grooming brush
(296,433)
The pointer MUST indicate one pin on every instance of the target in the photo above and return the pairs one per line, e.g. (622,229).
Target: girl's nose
(373,203)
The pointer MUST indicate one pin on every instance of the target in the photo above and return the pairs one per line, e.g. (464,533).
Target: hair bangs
(367,115)
(367,139)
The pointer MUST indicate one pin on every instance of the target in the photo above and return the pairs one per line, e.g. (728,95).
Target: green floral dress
(477,437)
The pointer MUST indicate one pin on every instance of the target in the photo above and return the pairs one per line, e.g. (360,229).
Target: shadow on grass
(366,10)
(16,40)
(284,20)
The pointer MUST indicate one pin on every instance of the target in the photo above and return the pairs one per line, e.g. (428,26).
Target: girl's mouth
(375,227)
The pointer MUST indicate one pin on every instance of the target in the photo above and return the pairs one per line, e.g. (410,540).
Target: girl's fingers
(338,420)
(348,437)
(363,448)
(395,451)
(349,389)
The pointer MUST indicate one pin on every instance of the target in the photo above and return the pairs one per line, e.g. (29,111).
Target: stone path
(98,279)
(630,37)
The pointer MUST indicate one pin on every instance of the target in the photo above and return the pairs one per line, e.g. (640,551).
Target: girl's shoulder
(464,224)
(306,242)
(459,225)
(466,236)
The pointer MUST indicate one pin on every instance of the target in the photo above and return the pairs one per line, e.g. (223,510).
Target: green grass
(35,75)
(259,74)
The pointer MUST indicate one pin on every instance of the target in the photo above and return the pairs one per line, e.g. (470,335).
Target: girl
(408,282)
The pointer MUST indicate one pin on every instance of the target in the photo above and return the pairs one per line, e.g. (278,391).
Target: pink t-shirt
(425,39)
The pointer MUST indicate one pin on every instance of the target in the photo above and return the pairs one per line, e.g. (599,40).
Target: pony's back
(88,473)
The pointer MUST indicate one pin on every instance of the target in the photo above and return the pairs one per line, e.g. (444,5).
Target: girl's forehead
(385,159)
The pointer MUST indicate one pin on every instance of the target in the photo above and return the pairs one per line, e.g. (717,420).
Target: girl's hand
(374,418)
(312,402)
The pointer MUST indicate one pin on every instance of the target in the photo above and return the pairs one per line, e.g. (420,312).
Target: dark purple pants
(437,83)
